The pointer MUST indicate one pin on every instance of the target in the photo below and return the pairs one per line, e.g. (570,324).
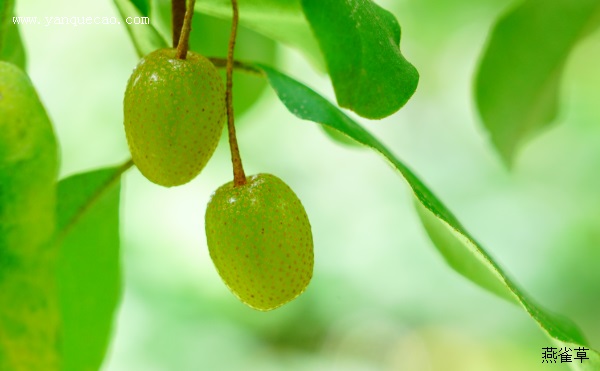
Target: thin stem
(178,13)
(182,47)
(239,177)
(237,65)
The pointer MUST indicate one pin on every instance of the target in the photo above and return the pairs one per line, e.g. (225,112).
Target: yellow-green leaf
(28,170)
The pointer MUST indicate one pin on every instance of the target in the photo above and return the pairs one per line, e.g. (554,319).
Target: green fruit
(260,241)
(174,112)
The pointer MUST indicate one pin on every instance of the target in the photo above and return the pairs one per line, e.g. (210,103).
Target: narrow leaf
(145,37)
(462,256)
(11,45)
(339,137)
(518,81)
(28,170)
(447,233)
(89,278)
(361,44)
(470,259)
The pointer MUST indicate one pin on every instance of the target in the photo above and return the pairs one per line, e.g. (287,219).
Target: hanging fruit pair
(257,230)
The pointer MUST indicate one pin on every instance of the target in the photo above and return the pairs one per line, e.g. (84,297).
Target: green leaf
(28,170)
(461,251)
(361,44)
(11,45)
(145,37)
(89,278)
(517,84)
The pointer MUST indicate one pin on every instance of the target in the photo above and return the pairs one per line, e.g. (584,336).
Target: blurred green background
(381,297)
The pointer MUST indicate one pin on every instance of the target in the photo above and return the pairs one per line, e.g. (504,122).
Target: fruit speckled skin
(260,241)
(174,113)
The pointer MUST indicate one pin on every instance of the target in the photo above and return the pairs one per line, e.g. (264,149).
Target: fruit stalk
(183,45)
(178,13)
(239,177)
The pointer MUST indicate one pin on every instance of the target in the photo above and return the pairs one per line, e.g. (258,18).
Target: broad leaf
(517,86)
(361,44)
(145,38)
(28,170)
(88,273)
(454,242)
(11,46)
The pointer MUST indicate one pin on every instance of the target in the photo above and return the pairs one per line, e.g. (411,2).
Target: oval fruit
(260,241)
(174,112)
